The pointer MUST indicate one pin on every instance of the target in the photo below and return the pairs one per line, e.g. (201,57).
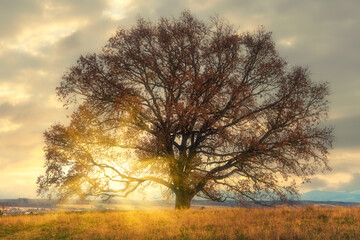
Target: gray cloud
(15,15)
(347,132)
(85,40)
(80,8)
(316,183)
(18,15)
(155,9)
(12,62)
(327,185)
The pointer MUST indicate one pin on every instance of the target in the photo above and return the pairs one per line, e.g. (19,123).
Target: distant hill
(331,196)
(308,198)
(26,202)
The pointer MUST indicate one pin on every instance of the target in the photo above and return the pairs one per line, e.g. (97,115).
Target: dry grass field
(235,223)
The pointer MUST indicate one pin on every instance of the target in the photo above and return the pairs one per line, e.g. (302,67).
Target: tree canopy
(195,107)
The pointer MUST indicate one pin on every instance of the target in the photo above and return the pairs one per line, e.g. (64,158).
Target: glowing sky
(39,40)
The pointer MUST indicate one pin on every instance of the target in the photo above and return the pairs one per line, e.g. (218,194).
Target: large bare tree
(197,108)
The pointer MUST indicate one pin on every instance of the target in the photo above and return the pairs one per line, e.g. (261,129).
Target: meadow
(227,223)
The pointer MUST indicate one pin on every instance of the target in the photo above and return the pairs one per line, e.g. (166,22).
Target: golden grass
(236,223)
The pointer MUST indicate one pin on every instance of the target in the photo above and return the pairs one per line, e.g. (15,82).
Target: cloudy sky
(40,39)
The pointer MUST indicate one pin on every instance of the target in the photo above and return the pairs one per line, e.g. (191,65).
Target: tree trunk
(183,200)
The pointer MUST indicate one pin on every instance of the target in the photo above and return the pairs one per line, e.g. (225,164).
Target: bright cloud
(117,9)
(13,93)
(287,41)
(7,126)
(32,41)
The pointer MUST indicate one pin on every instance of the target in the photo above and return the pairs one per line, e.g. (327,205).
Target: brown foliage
(195,107)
